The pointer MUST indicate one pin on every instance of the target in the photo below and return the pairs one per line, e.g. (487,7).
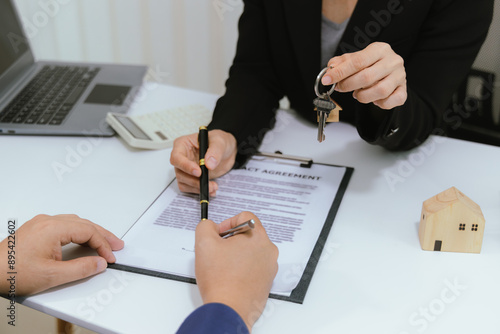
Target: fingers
(221,152)
(374,75)
(40,248)
(397,98)
(206,231)
(191,184)
(114,242)
(86,232)
(239,219)
(185,159)
(209,228)
(184,156)
(72,228)
(219,159)
(383,90)
(342,67)
(206,226)
(214,155)
(365,77)
(68,271)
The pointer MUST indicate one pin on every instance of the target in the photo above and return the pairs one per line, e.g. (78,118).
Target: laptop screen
(13,42)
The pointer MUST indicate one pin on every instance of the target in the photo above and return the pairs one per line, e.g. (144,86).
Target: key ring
(318,79)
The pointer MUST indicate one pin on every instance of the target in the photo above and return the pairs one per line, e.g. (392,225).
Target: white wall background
(187,43)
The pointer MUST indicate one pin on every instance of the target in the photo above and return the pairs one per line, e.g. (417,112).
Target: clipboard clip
(284,159)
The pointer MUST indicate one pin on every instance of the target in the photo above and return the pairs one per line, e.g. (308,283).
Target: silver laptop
(56,98)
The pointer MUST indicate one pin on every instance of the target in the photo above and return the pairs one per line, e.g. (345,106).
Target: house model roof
(447,197)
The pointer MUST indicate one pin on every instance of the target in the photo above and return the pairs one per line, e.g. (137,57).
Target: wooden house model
(451,222)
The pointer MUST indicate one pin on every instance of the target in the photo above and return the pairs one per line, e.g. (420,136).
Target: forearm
(402,128)
(439,60)
(253,90)
(247,111)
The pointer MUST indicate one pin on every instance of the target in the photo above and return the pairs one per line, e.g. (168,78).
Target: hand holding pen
(237,270)
(219,159)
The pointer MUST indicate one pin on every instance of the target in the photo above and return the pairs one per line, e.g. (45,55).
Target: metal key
(326,108)
(323,106)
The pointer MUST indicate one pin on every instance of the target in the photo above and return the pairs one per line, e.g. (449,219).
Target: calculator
(158,130)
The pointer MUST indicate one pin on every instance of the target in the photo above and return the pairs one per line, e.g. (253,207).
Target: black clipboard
(299,292)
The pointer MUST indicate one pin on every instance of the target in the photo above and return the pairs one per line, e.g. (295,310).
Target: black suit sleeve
(448,36)
(247,109)
(213,318)
(448,43)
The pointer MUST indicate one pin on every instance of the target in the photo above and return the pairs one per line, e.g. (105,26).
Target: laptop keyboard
(50,95)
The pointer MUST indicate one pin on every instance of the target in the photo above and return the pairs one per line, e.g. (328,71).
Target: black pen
(204,194)
(242,228)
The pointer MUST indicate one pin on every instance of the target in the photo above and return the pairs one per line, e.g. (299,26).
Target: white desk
(372,278)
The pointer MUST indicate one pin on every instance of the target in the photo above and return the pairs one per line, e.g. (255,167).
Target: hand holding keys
(327,109)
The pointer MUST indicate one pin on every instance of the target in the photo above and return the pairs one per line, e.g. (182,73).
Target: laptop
(57,98)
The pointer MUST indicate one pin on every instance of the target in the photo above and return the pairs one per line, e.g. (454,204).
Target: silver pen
(242,228)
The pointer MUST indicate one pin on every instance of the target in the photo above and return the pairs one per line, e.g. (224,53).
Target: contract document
(295,204)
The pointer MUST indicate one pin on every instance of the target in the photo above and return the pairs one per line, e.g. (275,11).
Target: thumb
(73,270)
(206,229)
(213,157)
(217,147)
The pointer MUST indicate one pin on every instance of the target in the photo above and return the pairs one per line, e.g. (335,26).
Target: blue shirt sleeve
(213,318)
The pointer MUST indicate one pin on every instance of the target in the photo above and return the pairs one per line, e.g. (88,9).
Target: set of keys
(326,108)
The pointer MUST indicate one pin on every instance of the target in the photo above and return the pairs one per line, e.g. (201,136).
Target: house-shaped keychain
(451,222)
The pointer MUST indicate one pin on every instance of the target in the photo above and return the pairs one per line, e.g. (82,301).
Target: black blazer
(278,54)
